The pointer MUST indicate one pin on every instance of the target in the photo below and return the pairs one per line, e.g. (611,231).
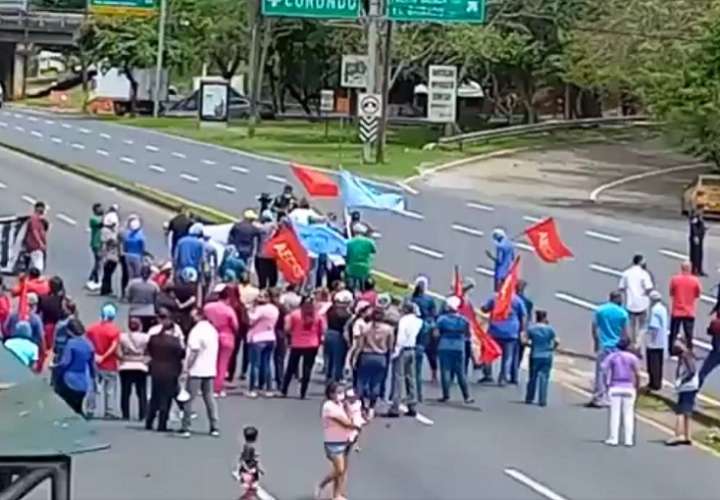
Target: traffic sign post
(369,112)
(369,130)
(465,11)
(316,9)
(442,94)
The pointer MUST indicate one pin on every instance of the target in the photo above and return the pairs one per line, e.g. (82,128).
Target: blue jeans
(452,364)
(710,363)
(539,379)
(260,354)
(419,356)
(334,350)
(371,376)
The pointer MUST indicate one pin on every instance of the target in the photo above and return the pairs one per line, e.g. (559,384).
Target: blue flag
(358,193)
(319,238)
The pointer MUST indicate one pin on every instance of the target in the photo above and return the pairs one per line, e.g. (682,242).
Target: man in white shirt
(636,284)
(403,360)
(658,329)
(200,368)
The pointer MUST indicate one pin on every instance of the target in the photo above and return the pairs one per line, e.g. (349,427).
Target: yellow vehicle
(703,191)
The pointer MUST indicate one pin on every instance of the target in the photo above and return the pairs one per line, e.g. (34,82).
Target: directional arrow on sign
(368,129)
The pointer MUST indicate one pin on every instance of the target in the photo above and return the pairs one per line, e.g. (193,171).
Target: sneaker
(485,380)
(411,413)
(215,433)
(392,414)
(252,394)
(223,394)
(610,442)
(269,394)
(184,434)
(469,401)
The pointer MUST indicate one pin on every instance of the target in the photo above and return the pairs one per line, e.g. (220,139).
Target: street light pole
(159,60)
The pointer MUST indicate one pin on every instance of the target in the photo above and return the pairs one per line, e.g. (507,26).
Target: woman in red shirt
(306,328)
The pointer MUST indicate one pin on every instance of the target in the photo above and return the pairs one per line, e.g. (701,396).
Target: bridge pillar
(7,67)
(20,70)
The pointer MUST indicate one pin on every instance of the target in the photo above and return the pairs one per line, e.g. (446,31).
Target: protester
(22,346)
(231,265)
(453,328)
(696,238)
(133,368)
(241,313)
(110,241)
(504,256)
(687,384)
(359,260)
(190,250)
(543,341)
(35,240)
(713,358)
(35,283)
(142,295)
(166,354)
(222,316)
(36,326)
(610,324)
(75,371)
(656,341)
(133,247)
(50,309)
(636,284)
(506,332)
(201,368)
(404,374)
(306,328)
(426,342)
(178,227)
(95,224)
(5,307)
(685,290)
(335,346)
(62,336)
(184,291)
(284,202)
(261,341)
(521,292)
(245,236)
(281,340)
(105,338)
(622,375)
(369,294)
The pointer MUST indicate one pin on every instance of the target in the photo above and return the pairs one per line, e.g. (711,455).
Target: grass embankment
(74,102)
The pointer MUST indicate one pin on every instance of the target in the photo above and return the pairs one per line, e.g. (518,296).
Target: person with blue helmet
(190,249)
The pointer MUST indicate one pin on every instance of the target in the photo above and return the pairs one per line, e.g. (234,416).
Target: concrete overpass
(19,31)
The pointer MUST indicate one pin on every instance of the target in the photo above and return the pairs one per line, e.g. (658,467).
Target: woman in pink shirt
(338,431)
(222,316)
(306,328)
(261,341)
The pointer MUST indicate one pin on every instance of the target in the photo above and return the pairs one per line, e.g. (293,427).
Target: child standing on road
(248,469)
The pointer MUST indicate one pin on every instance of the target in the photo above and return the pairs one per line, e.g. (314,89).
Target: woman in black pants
(133,368)
(166,355)
(306,329)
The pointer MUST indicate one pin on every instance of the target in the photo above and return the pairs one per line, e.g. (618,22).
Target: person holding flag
(504,255)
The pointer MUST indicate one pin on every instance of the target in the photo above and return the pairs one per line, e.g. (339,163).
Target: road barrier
(537,128)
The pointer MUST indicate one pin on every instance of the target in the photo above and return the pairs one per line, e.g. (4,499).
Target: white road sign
(369,105)
(442,94)
(354,71)
(327,101)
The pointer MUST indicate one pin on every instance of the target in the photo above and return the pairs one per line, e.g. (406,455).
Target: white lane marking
(630,178)
(467,230)
(532,219)
(178,155)
(276,178)
(209,162)
(18,115)
(376,234)
(129,142)
(263,494)
(3,186)
(538,488)
(28,199)
(151,148)
(524,246)
(56,140)
(102,152)
(66,218)
(485,271)
(603,236)
(83,130)
(480,206)
(606,270)
(225,187)
(707,298)
(32,118)
(239,170)
(127,159)
(3,124)
(407,188)
(105,136)
(19,128)
(575,300)
(35,133)
(77,145)
(157,168)
(673,254)
(49,122)
(65,125)
(426,251)
(411,215)
(189,178)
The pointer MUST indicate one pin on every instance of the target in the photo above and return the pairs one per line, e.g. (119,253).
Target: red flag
(291,257)
(23,306)
(316,183)
(546,240)
(489,349)
(504,296)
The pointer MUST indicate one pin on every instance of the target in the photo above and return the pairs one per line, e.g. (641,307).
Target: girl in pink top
(261,341)
(306,328)
(337,430)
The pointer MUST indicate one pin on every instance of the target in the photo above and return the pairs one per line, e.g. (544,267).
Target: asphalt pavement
(497,448)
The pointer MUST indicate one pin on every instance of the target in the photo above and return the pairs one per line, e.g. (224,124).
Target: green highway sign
(317,9)
(458,11)
(123,7)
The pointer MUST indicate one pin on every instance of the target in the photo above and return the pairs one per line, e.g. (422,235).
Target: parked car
(239,107)
(703,191)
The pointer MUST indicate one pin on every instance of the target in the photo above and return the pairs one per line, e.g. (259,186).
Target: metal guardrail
(41,21)
(548,126)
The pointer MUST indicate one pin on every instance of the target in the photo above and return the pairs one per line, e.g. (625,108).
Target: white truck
(115,86)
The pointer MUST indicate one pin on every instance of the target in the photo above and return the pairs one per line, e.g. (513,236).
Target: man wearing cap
(636,284)
(504,256)
(403,360)
(190,250)
(105,338)
(656,341)
(453,328)
(36,325)
(245,236)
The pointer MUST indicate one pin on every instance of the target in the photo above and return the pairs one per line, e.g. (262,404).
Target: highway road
(496,449)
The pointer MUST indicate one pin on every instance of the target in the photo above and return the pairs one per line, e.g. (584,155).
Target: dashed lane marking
(3,124)
(531,218)
(603,236)
(77,145)
(84,130)
(49,122)
(606,270)
(102,152)
(35,133)
(239,170)
(32,119)
(485,271)
(127,159)
(411,215)
(28,199)
(673,254)
(276,178)
(189,178)
(426,251)
(537,487)
(566,297)
(467,230)
(105,136)
(157,168)
(480,206)
(56,140)
(225,187)
(19,128)
(178,155)
(407,188)
(3,185)
(129,142)
(65,125)
(66,219)
(524,246)
(151,148)
(209,162)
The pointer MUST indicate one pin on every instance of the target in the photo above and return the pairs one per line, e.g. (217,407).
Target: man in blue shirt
(506,333)
(453,329)
(36,325)
(504,256)
(543,341)
(190,250)
(610,324)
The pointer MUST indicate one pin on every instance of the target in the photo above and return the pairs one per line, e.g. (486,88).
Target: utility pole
(255,48)
(159,60)
(372,80)
(385,90)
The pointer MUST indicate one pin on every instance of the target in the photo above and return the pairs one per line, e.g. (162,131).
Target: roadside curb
(464,161)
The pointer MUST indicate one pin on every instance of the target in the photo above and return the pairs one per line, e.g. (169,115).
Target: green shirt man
(360,254)
(96,225)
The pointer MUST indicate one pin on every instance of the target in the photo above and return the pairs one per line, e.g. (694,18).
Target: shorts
(686,403)
(334,449)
